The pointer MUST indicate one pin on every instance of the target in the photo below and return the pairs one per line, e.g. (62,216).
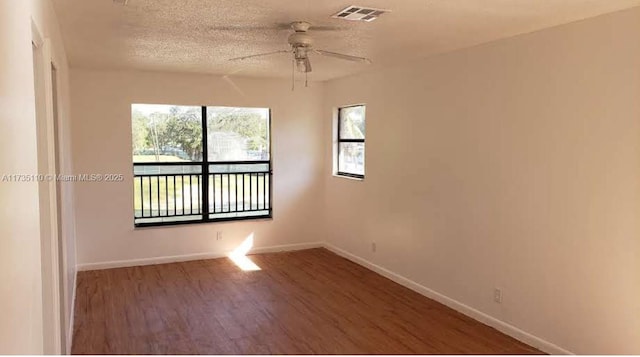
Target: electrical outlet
(219,235)
(373,247)
(497,295)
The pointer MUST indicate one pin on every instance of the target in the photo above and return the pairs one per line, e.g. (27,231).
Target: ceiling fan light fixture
(300,65)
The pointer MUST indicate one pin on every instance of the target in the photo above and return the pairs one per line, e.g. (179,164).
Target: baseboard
(72,313)
(188,257)
(286,247)
(499,325)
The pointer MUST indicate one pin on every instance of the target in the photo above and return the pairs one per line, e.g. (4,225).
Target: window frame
(341,140)
(205,172)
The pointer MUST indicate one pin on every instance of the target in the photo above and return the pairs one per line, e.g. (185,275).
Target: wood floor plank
(304,302)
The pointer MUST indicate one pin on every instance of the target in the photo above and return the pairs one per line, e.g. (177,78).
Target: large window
(351,133)
(200,164)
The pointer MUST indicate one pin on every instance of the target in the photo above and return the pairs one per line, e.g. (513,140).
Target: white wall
(101,106)
(514,164)
(21,326)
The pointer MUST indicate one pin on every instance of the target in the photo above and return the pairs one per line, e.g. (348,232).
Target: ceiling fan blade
(280,26)
(274,27)
(326,28)
(259,55)
(343,56)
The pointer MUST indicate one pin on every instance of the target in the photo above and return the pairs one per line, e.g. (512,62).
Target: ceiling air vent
(359,13)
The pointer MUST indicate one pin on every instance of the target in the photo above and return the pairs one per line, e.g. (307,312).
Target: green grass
(161,158)
(164,186)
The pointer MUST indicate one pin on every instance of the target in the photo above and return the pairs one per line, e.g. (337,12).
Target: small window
(351,134)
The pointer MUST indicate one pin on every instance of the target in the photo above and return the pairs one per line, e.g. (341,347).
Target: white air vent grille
(359,13)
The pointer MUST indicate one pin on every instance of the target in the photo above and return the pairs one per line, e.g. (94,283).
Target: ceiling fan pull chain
(293,74)
(306,79)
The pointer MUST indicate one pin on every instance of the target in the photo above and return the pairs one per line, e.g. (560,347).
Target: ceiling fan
(301,46)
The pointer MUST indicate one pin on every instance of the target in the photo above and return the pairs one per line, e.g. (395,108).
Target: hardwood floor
(303,302)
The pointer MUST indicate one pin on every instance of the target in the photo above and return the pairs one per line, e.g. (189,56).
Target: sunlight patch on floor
(239,255)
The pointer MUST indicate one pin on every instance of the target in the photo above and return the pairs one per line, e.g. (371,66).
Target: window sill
(142,226)
(348,177)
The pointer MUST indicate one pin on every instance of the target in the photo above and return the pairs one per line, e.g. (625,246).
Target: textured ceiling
(201,35)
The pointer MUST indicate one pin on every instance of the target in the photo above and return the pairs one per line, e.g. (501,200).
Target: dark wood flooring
(304,302)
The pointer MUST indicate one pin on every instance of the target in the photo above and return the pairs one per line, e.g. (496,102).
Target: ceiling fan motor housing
(300,39)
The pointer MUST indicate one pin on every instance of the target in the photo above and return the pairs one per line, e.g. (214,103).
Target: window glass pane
(170,195)
(234,192)
(166,133)
(237,134)
(351,158)
(352,122)
(231,168)
(162,169)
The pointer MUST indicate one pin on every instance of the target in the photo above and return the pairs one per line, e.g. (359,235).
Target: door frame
(49,241)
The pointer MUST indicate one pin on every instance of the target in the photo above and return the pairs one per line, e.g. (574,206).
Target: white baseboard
(499,325)
(188,257)
(286,247)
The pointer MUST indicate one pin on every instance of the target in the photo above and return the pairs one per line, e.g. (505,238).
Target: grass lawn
(180,193)
(161,158)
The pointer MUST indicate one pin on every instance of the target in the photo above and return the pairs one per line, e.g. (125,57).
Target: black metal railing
(172,193)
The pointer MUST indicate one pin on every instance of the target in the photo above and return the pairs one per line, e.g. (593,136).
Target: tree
(139,131)
(251,125)
(184,131)
(178,130)
(352,124)
(157,136)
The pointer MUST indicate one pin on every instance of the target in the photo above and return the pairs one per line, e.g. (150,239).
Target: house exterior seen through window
(351,135)
(194,164)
